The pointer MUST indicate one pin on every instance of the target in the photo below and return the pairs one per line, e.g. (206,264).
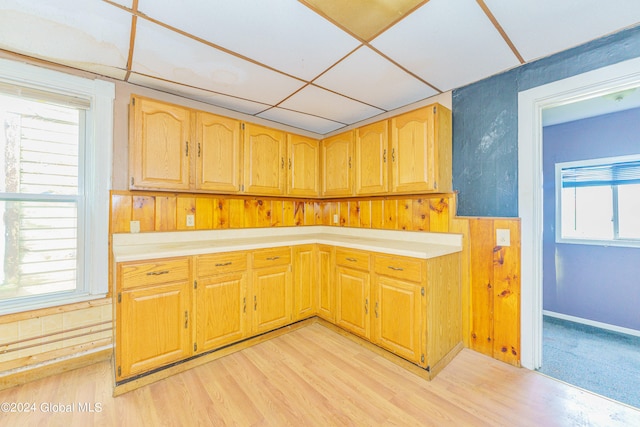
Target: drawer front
(210,265)
(353,259)
(410,269)
(154,272)
(271,257)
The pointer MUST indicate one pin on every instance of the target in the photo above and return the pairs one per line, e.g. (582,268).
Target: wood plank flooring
(315,377)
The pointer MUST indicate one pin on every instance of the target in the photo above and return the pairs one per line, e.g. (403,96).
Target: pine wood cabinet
(221,289)
(371,167)
(160,135)
(304,281)
(352,291)
(421,151)
(264,160)
(153,311)
(272,289)
(326,283)
(337,162)
(303,177)
(218,153)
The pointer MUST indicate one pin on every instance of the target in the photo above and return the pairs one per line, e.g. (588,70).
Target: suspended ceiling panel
(300,120)
(322,103)
(542,27)
(282,34)
(318,65)
(364,18)
(365,75)
(228,102)
(89,35)
(160,52)
(448,43)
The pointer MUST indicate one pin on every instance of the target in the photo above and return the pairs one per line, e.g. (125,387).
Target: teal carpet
(601,361)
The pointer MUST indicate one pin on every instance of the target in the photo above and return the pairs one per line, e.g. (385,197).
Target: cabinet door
(326,283)
(352,301)
(371,167)
(304,289)
(412,151)
(218,161)
(303,166)
(153,327)
(264,160)
(398,317)
(221,310)
(159,145)
(337,175)
(271,298)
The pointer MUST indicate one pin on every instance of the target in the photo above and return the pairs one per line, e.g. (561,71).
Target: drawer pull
(351,259)
(157,273)
(223,264)
(395,268)
(273,258)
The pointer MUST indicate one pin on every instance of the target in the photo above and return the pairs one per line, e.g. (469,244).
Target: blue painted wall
(591,282)
(485,122)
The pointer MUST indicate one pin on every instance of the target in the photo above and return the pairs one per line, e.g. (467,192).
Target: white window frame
(93,244)
(558,189)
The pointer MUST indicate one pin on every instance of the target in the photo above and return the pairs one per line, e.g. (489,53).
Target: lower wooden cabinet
(170,309)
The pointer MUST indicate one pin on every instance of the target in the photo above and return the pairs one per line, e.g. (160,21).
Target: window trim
(558,207)
(94,243)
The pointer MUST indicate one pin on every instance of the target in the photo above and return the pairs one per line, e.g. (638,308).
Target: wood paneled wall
(490,275)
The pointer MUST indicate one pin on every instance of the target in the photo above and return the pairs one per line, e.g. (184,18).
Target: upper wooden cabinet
(337,162)
(264,160)
(371,167)
(303,178)
(421,151)
(159,145)
(218,153)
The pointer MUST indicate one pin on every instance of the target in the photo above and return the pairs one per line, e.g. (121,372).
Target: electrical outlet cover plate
(503,237)
(191,220)
(134,226)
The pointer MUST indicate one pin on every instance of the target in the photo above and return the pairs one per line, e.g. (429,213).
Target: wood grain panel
(391,214)
(165,213)
(288,213)
(377,214)
(204,213)
(144,210)
(421,215)
(221,214)
(185,206)
(277,219)
(309,213)
(354,214)
(405,214)
(298,213)
(438,215)
(481,285)
(236,213)
(120,213)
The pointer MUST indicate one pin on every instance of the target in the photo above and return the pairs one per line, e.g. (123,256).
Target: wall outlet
(134,226)
(191,220)
(335,218)
(503,237)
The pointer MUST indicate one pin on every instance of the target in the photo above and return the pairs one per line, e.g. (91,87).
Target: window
(598,201)
(56,140)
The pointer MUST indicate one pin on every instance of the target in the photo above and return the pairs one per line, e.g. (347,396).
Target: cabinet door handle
(395,268)
(224,264)
(376,309)
(366,306)
(198,149)
(157,273)
(281,162)
(289,164)
(351,259)
(255,303)
(393,154)
(186,148)
(384,156)
(186,319)
(349,162)
(273,258)
(244,304)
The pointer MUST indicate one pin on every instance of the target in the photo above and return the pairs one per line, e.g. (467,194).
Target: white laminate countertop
(416,244)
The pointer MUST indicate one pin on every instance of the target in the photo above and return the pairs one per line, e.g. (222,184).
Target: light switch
(191,220)
(134,226)
(503,237)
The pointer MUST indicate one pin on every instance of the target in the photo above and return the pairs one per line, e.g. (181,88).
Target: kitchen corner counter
(416,244)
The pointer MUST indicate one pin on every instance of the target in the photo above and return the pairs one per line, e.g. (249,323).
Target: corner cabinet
(303,177)
(271,287)
(160,135)
(421,151)
(371,167)
(337,162)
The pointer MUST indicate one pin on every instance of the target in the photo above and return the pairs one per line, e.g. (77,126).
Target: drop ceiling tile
(542,27)
(448,43)
(228,102)
(370,78)
(89,35)
(322,103)
(300,120)
(283,34)
(160,52)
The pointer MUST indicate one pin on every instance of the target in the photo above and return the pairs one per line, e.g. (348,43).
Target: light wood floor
(316,377)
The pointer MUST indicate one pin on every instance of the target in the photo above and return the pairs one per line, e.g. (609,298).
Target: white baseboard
(593,323)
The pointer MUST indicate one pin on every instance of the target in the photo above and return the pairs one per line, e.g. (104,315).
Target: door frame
(531,103)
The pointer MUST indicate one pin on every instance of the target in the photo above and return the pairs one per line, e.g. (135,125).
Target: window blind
(620,173)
